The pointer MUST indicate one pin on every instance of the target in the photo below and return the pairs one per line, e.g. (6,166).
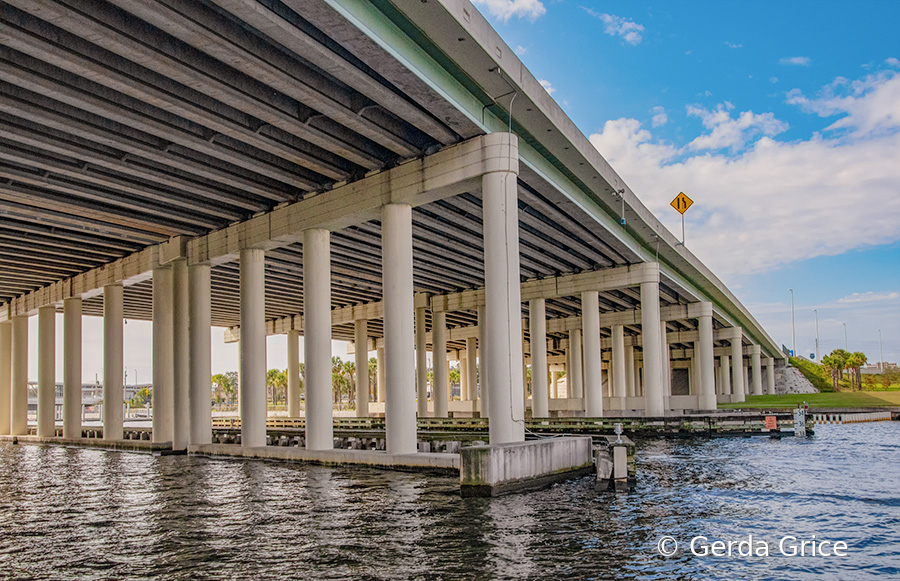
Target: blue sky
(780,119)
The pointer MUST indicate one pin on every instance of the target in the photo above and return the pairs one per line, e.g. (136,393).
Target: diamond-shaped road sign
(682,203)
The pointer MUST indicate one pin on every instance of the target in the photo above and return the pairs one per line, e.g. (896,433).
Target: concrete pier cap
(497,469)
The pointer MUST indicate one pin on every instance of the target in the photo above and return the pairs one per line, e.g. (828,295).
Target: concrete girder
(223,40)
(28,36)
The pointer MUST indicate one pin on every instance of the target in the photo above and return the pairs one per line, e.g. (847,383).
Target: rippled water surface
(81,513)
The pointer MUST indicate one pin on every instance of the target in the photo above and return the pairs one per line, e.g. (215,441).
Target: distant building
(877,367)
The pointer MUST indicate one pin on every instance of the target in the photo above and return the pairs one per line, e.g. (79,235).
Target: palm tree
(373,376)
(276,383)
(350,374)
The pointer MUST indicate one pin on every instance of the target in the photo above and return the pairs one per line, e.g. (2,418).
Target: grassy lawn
(843,399)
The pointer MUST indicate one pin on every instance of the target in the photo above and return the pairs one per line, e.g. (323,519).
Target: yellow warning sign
(682,203)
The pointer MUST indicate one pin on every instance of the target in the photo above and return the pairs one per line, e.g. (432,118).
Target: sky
(780,120)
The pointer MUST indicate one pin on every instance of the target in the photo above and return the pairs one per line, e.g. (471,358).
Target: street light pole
(846,343)
(817,334)
(793,332)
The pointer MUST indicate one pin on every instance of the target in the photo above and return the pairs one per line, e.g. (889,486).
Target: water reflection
(80,513)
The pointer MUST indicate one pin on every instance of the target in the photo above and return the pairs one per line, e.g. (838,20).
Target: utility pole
(817,335)
(793,332)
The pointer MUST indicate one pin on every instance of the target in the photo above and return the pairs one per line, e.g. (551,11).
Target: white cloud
(802,61)
(772,202)
(520,50)
(732,45)
(892,62)
(547,86)
(629,30)
(728,132)
(659,116)
(505,9)
(868,105)
(869,297)
(773,79)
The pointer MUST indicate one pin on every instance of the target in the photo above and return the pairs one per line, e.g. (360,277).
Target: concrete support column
(72,368)
(746,371)
(770,376)
(666,358)
(113,363)
(293,374)
(630,371)
(317,339)
(163,357)
(421,364)
(725,374)
(439,362)
(5,374)
(737,366)
(503,307)
(653,364)
(694,383)
(481,370)
(574,369)
(756,363)
(380,373)
(46,388)
(593,374)
(200,364)
(361,351)
(464,392)
(181,335)
(703,350)
(399,327)
(619,383)
(540,395)
(18,400)
(253,348)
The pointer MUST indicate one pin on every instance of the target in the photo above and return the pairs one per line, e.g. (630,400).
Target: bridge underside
(136,125)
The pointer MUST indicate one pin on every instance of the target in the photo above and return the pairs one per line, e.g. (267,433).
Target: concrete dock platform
(497,469)
(428,462)
(161,448)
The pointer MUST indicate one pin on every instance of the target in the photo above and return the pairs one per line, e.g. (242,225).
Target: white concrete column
(756,363)
(725,374)
(199,323)
(477,361)
(46,389)
(746,373)
(181,356)
(703,349)
(163,357)
(380,373)
(253,347)
(651,342)
(421,364)
(18,400)
(770,376)
(540,395)
(506,400)
(666,358)
(293,374)
(317,339)
(619,384)
(399,327)
(575,370)
(593,374)
(737,366)
(694,383)
(72,368)
(361,352)
(630,371)
(5,374)
(465,394)
(439,362)
(113,363)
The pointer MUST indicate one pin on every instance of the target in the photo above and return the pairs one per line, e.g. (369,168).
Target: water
(82,513)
